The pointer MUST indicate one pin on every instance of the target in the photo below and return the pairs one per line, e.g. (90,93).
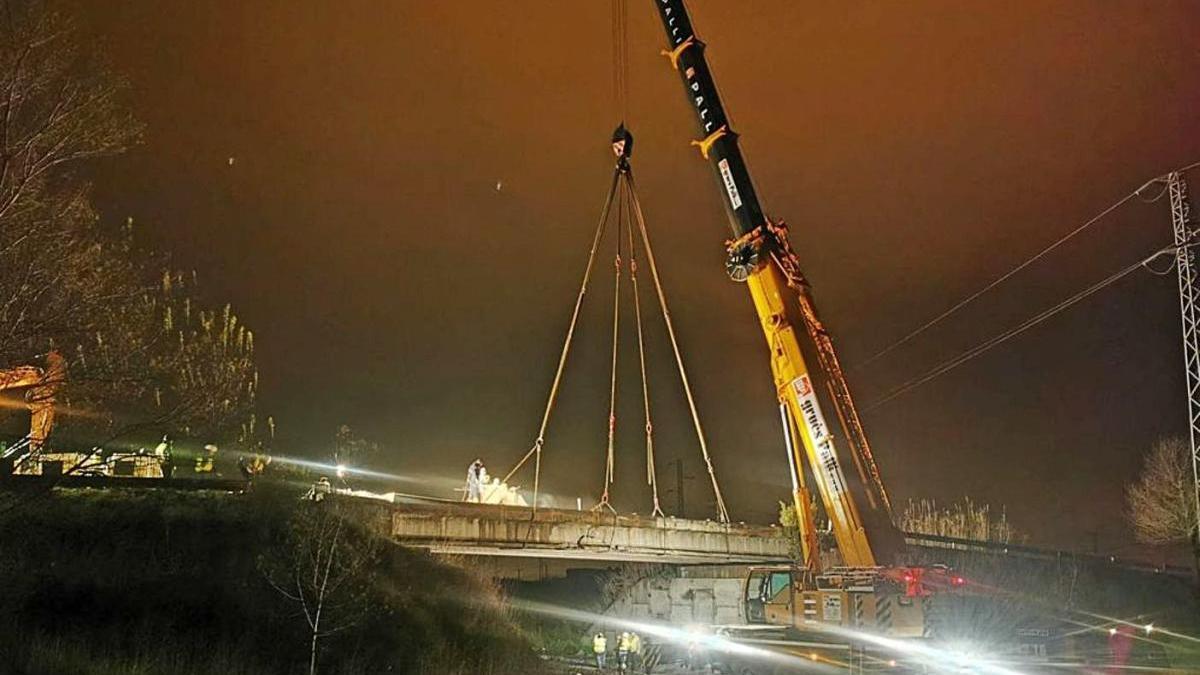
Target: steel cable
(722,512)
(536,450)
(609,463)
(651,473)
(1025,325)
(1012,272)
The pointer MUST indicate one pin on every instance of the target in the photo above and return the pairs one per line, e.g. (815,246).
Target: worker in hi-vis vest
(600,649)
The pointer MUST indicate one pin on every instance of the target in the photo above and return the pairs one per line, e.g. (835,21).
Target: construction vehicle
(871,590)
(41,385)
(30,455)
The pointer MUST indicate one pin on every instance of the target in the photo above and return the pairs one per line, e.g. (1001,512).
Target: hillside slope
(159,581)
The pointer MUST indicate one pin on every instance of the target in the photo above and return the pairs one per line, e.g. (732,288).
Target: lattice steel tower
(1189,296)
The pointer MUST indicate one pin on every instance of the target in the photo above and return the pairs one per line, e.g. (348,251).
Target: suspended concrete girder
(484,529)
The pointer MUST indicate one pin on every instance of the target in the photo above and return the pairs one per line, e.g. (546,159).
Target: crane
(760,254)
(871,582)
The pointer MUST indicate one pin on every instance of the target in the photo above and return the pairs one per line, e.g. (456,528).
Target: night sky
(918,150)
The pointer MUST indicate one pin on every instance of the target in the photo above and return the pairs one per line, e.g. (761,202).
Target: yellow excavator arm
(41,387)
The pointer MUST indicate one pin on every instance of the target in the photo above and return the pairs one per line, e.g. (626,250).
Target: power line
(952,363)
(1009,274)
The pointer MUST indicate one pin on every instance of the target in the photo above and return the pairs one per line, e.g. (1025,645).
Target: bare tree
(57,110)
(140,350)
(325,569)
(1161,504)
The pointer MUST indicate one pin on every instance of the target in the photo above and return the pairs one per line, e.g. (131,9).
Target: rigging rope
(623,191)
(986,345)
(612,385)
(619,96)
(651,474)
(536,450)
(722,512)
(620,74)
(1009,274)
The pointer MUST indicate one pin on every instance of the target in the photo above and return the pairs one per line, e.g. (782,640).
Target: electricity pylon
(1189,295)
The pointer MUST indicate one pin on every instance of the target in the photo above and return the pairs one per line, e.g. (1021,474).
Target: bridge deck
(485,529)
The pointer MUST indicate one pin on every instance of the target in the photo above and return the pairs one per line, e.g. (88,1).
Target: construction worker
(484,484)
(600,649)
(243,465)
(624,647)
(635,651)
(474,481)
(165,452)
(320,489)
(204,460)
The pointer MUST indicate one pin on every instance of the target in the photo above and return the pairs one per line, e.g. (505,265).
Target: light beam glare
(683,637)
(328,469)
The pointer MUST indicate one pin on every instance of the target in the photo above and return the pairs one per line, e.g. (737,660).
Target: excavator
(29,455)
(869,589)
(41,385)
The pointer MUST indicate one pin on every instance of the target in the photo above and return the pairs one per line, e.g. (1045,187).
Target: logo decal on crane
(818,431)
(735,199)
(803,386)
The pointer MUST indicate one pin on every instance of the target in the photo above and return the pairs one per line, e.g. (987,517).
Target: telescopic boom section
(760,254)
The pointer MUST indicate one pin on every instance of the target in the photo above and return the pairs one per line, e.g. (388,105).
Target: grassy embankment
(149,582)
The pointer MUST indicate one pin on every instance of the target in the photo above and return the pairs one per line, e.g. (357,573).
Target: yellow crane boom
(761,255)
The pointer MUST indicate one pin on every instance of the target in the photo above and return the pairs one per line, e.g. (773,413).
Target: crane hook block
(622,145)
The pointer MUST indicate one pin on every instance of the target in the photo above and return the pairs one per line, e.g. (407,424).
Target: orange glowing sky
(918,150)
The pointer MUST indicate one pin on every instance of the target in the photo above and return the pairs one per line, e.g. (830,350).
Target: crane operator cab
(890,602)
